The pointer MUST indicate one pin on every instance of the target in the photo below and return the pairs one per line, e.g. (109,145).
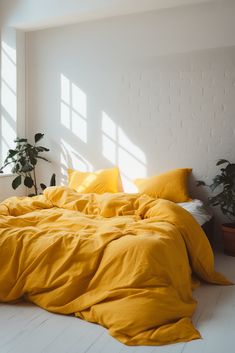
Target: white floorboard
(25,328)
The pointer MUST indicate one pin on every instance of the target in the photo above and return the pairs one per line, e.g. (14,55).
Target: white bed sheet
(198,210)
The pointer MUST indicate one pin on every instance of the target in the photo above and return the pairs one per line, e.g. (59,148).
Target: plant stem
(35,182)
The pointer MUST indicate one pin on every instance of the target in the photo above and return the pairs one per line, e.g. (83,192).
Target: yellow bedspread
(121,260)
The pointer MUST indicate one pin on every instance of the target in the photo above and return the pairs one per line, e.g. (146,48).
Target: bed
(128,262)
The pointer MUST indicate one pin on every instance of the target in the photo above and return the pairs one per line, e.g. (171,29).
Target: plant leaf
(33,160)
(28,182)
(222,161)
(42,149)
(16,182)
(27,168)
(12,153)
(43,158)
(43,186)
(200,183)
(218,179)
(38,137)
(15,168)
(230,170)
(53,180)
(20,140)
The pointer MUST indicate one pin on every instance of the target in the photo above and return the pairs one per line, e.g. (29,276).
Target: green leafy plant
(225,199)
(23,160)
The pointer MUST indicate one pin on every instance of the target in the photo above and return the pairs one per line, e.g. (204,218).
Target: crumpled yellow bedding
(124,261)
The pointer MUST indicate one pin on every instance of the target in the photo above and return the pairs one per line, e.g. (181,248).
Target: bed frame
(208,228)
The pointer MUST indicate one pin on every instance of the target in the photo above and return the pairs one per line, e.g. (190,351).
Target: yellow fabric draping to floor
(124,261)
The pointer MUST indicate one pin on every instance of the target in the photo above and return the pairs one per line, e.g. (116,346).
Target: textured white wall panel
(108,93)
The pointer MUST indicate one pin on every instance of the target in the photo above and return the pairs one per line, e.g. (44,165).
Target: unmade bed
(128,262)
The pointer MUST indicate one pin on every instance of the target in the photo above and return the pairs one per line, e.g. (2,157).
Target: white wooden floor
(25,328)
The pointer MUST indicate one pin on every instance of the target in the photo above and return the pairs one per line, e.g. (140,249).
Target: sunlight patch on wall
(73,108)
(8,99)
(118,149)
(8,57)
(131,160)
(109,138)
(8,135)
(70,158)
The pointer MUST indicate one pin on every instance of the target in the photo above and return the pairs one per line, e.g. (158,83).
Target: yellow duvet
(123,261)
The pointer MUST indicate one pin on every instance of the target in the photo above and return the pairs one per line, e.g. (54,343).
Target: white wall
(6,188)
(17,15)
(148,92)
(34,14)
(12,97)
(142,71)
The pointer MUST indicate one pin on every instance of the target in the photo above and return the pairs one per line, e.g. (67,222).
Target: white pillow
(198,210)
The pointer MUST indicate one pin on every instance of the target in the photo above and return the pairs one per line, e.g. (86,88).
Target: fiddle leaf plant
(225,180)
(23,160)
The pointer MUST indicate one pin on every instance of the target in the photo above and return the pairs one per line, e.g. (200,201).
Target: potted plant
(225,199)
(24,159)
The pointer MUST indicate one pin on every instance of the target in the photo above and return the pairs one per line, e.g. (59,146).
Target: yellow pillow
(172,185)
(99,182)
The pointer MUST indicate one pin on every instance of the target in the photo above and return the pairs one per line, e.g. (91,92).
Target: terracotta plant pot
(229,238)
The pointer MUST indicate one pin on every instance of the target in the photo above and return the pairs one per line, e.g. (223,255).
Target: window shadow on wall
(78,149)
(8,98)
